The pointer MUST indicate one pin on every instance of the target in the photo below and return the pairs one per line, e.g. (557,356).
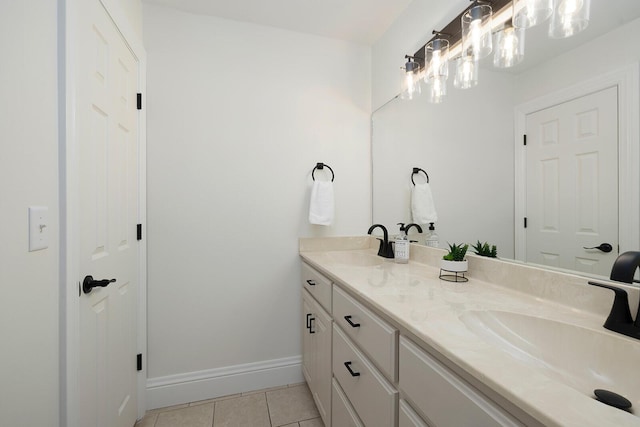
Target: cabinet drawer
(441,397)
(343,414)
(370,394)
(408,418)
(318,285)
(374,336)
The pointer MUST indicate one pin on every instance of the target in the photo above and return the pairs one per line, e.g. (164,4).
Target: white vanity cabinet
(316,341)
(441,397)
(362,371)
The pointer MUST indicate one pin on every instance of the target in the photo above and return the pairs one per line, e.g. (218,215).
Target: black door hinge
(525,222)
(139,232)
(139,362)
(139,101)
(524,139)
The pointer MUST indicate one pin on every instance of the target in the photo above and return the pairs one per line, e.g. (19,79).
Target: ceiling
(358,21)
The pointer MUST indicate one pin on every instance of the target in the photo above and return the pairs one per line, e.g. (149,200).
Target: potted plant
(454,260)
(483,249)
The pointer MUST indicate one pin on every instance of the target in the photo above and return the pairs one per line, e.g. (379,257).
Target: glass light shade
(476,30)
(466,72)
(509,46)
(437,89)
(569,18)
(410,80)
(436,59)
(529,13)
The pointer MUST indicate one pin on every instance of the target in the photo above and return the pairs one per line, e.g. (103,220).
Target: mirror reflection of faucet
(620,320)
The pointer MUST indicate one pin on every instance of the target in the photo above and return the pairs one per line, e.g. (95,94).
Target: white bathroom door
(107,135)
(572,182)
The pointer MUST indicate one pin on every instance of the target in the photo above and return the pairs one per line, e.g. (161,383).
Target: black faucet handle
(620,312)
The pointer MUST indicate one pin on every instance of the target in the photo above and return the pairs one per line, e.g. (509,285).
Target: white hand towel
(321,208)
(422,207)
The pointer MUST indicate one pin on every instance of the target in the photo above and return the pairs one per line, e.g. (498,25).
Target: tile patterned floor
(286,406)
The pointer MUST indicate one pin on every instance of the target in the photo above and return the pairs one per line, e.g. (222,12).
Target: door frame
(627,80)
(69,205)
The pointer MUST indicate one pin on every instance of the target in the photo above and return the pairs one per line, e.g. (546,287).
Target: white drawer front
(373,335)
(343,414)
(318,285)
(440,396)
(408,418)
(370,394)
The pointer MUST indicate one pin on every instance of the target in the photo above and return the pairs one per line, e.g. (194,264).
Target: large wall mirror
(481,175)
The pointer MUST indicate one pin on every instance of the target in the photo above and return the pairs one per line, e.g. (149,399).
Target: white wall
(28,176)
(238,116)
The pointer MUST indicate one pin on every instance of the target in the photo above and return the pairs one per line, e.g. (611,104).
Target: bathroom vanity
(389,344)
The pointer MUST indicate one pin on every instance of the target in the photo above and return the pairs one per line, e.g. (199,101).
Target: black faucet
(408,226)
(385,250)
(619,320)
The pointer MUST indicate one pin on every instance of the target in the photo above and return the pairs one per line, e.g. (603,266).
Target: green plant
(456,252)
(483,249)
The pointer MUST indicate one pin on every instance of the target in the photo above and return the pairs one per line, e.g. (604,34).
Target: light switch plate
(38,228)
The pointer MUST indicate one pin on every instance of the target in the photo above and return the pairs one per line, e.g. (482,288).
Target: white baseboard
(212,383)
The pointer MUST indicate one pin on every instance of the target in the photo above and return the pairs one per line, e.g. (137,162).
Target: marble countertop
(413,297)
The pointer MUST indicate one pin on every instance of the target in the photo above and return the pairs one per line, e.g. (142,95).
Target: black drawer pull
(308,323)
(353,325)
(348,366)
(311,331)
(311,282)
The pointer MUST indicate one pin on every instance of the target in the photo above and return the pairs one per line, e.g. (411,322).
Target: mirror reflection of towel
(321,208)
(422,208)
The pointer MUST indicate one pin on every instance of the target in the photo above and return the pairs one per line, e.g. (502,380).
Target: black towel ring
(322,166)
(418,170)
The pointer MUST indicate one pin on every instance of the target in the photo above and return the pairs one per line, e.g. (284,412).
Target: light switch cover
(38,228)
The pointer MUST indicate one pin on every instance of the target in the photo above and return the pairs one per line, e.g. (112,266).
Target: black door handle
(311,282)
(348,366)
(604,247)
(308,322)
(353,325)
(88,284)
(311,331)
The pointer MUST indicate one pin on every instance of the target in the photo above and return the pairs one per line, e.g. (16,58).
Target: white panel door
(572,174)
(107,135)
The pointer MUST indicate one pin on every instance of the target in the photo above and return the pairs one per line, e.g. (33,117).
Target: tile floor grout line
(268,409)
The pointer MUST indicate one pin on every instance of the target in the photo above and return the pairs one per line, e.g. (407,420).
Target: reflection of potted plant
(483,249)
(454,260)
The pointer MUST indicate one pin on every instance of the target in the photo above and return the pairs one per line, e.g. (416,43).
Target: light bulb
(437,90)
(476,30)
(510,46)
(466,72)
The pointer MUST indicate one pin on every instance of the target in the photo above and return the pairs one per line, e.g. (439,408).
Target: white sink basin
(581,358)
(355,259)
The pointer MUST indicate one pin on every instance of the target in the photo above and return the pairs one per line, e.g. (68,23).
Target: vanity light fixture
(410,78)
(569,18)
(477,30)
(466,72)
(436,53)
(529,13)
(509,46)
(470,38)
